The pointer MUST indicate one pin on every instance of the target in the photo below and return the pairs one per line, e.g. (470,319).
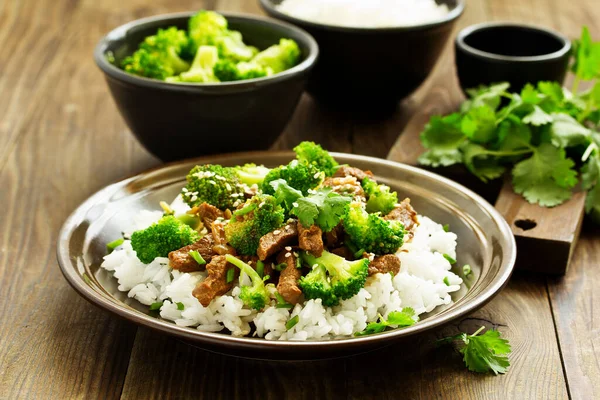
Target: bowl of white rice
(456,228)
(373,53)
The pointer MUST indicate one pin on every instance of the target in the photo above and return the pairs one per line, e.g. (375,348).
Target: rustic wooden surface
(61,139)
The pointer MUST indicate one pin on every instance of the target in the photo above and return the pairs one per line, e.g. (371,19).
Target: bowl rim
(454,13)
(70,271)
(469,30)
(218,87)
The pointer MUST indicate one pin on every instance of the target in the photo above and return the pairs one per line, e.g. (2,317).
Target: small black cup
(507,52)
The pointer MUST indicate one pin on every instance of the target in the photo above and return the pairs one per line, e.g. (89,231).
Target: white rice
(419,284)
(365,13)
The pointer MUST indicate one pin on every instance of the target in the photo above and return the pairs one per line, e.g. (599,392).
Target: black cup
(506,52)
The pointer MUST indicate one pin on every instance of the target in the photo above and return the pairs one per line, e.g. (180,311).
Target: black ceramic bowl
(515,53)
(176,121)
(372,67)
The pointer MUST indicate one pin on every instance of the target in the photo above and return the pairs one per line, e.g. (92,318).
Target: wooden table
(61,139)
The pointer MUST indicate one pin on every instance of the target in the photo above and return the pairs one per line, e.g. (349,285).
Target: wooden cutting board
(545,237)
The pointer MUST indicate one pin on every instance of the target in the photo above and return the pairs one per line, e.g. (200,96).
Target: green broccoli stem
(254,276)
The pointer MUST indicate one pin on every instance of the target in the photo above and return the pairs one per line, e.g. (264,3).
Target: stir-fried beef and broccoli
(311,229)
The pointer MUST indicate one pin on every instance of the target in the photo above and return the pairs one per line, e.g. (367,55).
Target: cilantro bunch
(547,136)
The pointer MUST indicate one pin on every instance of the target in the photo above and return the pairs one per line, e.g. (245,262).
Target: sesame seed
(288,248)
(194,198)
(295,254)
(212,182)
(316,175)
(288,254)
(228,186)
(276,232)
(315,266)
(293,163)
(261,204)
(250,262)
(295,204)
(184,190)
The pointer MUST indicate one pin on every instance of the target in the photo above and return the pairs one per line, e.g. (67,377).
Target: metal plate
(484,241)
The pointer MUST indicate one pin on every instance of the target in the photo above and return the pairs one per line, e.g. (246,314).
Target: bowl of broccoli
(371,68)
(198,83)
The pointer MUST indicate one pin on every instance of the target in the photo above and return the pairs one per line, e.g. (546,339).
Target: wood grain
(62,139)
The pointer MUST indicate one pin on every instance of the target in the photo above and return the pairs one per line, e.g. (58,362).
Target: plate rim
(76,281)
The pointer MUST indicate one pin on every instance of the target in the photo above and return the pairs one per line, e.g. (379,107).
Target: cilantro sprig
(321,207)
(483,353)
(546,136)
(396,319)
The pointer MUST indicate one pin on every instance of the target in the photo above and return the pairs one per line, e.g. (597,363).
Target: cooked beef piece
(221,247)
(334,237)
(182,261)
(343,251)
(215,283)
(208,214)
(358,173)
(274,241)
(347,185)
(406,214)
(288,279)
(310,239)
(384,264)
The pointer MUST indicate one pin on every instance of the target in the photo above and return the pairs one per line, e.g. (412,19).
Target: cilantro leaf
(590,173)
(530,95)
(398,319)
(442,136)
(485,96)
(552,90)
(587,56)
(546,177)
(565,131)
(441,158)
(483,353)
(284,193)
(479,124)
(477,160)
(537,117)
(324,208)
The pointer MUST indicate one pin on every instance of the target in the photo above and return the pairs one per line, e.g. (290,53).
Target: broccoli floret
(205,27)
(346,277)
(255,296)
(371,232)
(159,56)
(227,70)
(279,57)
(251,174)
(162,237)
(213,184)
(316,285)
(232,46)
(202,67)
(312,153)
(380,199)
(298,175)
(259,216)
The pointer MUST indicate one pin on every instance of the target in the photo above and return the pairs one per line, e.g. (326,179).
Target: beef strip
(358,173)
(347,185)
(215,283)
(182,261)
(406,214)
(208,214)
(311,239)
(288,279)
(384,264)
(334,237)
(274,241)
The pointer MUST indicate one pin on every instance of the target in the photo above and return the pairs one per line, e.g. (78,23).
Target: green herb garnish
(399,319)
(545,136)
(449,259)
(292,322)
(281,303)
(230,275)
(446,228)
(446,281)
(483,353)
(114,244)
(197,257)
(156,306)
(180,306)
(260,268)
(466,270)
